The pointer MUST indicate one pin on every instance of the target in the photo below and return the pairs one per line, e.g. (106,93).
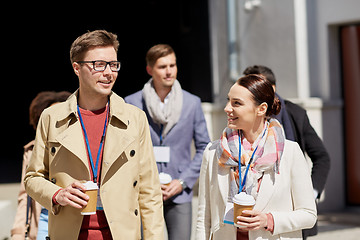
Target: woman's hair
(156,52)
(97,38)
(44,100)
(263,70)
(262,92)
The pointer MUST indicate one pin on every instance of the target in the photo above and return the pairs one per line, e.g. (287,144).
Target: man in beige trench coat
(129,189)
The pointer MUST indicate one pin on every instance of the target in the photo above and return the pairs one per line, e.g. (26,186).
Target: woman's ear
(261,109)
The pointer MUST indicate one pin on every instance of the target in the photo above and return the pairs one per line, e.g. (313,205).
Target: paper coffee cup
(242,201)
(91,191)
(165,178)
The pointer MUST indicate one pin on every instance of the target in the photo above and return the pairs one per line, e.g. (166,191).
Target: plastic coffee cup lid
(244,199)
(164,178)
(90,185)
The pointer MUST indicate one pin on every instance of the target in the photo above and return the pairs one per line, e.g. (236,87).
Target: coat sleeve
(18,229)
(320,158)
(150,196)
(36,178)
(310,143)
(203,224)
(201,139)
(304,210)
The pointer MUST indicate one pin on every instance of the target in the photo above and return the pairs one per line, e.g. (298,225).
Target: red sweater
(95,226)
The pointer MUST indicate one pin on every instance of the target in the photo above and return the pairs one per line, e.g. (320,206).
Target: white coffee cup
(91,191)
(242,201)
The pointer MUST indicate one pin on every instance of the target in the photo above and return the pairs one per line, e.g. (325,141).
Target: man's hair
(259,69)
(156,52)
(97,38)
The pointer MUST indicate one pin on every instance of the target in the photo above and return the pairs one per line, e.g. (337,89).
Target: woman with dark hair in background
(30,216)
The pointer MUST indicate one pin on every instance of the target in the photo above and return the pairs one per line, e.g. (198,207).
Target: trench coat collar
(118,138)
(117,105)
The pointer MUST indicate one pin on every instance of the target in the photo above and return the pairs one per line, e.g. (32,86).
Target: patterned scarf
(171,113)
(270,146)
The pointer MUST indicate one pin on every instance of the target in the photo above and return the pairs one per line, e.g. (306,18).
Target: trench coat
(288,196)
(130,189)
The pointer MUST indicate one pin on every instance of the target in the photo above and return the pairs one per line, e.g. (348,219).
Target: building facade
(303,42)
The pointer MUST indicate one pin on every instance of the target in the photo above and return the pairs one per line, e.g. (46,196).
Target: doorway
(350,46)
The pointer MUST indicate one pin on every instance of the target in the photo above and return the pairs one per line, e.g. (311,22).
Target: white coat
(288,196)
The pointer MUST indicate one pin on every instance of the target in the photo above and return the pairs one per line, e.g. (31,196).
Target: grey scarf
(170,115)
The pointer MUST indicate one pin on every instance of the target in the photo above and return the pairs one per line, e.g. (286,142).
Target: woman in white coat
(278,176)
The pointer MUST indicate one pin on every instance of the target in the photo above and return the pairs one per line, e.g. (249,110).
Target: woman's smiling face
(240,109)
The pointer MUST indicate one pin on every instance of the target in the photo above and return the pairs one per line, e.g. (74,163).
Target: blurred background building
(313,47)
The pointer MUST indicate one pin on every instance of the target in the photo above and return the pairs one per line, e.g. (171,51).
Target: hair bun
(276,106)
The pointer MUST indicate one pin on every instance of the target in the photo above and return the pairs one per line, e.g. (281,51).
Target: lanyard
(242,183)
(94,168)
(161,132)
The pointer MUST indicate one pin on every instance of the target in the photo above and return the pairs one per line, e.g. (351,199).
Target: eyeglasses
(100,65)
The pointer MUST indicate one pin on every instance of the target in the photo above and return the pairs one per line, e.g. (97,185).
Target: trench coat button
(132,153)
(136,212)
(135,183)
(53,150)
(53,180)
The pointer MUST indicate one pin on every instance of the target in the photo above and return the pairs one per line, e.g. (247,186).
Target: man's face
(164,71)
(96,83)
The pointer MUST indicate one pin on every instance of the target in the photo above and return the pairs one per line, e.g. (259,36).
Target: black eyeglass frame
(107,63)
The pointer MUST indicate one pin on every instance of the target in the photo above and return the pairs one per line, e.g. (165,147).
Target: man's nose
(168,70)
(107,70)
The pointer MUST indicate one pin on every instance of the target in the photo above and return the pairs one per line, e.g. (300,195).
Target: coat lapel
(73,140)
(116,141)
(223,179)
(117,137)
(221,173)
(266,191)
